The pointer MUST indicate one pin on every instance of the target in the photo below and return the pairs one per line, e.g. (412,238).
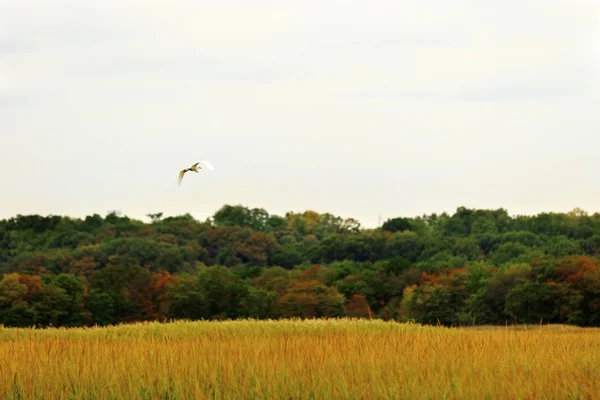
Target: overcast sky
(391,108)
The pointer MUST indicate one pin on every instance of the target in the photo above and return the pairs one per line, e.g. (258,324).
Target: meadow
(295,359)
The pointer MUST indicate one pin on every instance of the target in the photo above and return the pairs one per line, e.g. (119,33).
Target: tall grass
(292,359)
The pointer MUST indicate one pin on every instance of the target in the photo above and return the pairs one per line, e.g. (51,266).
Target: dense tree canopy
(471,267)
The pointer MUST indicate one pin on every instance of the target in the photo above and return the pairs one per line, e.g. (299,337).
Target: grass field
(316,359)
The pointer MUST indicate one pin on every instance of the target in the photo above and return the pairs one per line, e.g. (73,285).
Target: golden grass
(292,359)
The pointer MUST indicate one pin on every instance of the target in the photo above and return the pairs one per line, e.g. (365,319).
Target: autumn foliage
(472,267)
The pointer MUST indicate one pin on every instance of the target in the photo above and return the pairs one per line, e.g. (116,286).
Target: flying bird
(195,169)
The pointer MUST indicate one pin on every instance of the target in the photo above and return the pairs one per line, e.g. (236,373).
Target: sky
(361,109)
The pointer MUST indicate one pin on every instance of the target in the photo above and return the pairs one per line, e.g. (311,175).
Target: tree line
(470,267)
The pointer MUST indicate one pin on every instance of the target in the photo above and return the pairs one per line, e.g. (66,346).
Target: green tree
(396,225)
(187,299)
(531,302)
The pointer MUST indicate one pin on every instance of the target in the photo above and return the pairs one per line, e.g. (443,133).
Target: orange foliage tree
(357,307)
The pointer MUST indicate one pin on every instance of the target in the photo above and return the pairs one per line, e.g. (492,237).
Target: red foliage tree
(357,307)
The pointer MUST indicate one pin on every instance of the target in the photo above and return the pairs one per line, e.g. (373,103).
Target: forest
(473,267)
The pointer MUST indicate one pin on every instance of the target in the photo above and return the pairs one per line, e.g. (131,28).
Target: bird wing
(208,165)
(181,173)
(193,167)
